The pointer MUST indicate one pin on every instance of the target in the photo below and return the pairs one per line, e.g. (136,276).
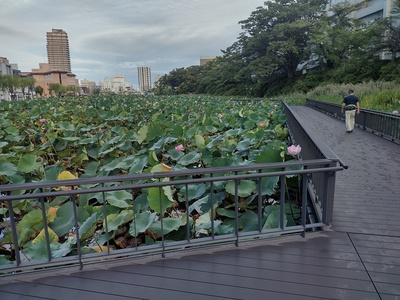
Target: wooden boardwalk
(358,258)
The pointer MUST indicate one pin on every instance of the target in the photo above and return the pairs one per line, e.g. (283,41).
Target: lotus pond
(85,137)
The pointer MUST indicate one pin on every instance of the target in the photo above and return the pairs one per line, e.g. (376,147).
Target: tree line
(26,85)
(9,84)
(295,45)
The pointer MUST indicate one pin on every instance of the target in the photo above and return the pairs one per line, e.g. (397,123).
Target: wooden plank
(158,287)
(47,289)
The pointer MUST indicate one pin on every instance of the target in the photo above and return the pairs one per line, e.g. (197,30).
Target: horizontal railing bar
(156,175)
(166,183)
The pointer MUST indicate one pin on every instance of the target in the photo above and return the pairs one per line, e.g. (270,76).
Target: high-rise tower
(58,50)
(144,76)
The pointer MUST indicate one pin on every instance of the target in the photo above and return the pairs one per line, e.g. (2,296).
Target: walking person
(351,105)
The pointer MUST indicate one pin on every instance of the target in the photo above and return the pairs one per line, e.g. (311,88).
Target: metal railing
(316,170)
(321,188)
(385,125)
(40,193)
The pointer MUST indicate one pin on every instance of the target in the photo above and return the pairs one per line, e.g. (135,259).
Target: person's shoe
(348,131)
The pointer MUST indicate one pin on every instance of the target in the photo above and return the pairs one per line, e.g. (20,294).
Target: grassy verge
(377,95)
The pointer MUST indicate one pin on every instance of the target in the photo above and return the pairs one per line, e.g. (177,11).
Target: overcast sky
(112,38)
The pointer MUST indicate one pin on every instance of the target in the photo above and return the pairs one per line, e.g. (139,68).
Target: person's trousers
(350,119)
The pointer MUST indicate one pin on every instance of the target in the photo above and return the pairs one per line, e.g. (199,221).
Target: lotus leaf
(155,196)
(194,191)
(142,134)
(190,158)
(41,236)
(245,188)
(8,169)
(116,220)
(271,217)
(88,227)
(142,222)
(169,225)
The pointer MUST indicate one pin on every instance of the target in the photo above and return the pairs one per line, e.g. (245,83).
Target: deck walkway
(359,258)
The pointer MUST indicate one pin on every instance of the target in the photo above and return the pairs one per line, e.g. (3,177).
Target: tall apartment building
(58,50)
(371,10)
(144,77)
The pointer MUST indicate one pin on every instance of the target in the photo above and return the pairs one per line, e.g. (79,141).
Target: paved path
(367,194)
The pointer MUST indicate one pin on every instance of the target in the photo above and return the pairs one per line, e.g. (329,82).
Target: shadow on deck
(359,258)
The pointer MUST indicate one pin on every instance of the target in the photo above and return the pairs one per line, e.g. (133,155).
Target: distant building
(7,68)
(86,86)
(206,59)
(116,84)
(58,50)
(144,78)
(370,12)
(46,75)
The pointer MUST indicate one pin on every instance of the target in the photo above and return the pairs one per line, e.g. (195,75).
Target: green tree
(96,92)
(70,90)
(26,83)
(39,90)
(54,89)
(10,84)
(276,36)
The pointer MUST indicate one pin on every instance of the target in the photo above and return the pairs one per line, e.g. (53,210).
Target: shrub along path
(358,259)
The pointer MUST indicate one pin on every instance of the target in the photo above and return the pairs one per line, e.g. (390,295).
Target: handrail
(155,175)
(41,191)
(383,124)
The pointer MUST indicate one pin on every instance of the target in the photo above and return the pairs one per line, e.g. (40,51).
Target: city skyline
(114,39)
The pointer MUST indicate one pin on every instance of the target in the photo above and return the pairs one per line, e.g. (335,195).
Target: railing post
(237,210)
(282,203)
(78,239)
(212,208)
(14,232)
(187,213)
(329,195)
(105,219)
(161,220)
(45,227)
(259,203)
(304,195)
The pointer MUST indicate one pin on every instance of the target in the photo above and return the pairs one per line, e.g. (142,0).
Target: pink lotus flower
(220,116)
(179,147)
(294,150)
(43,120)
(395,112)
(262,124)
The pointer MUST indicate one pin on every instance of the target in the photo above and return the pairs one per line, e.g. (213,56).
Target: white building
(116,84)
